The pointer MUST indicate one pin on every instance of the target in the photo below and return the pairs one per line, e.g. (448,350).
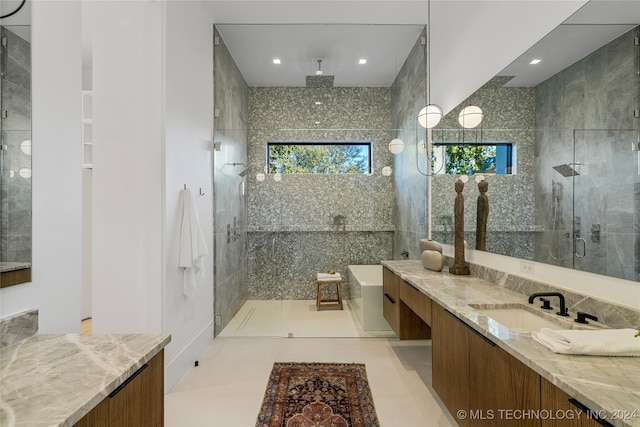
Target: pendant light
(429,116)
(470,116)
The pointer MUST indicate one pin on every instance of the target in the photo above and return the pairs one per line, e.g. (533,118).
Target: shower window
(294,157)
(495,158)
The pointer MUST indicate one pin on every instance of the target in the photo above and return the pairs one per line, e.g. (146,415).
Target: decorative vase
(430,245)
(432,260)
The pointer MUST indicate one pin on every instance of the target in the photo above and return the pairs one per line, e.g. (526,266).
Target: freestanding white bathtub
(365,285)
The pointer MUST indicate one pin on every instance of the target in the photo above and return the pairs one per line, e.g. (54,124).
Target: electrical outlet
(527,267)
(218,320)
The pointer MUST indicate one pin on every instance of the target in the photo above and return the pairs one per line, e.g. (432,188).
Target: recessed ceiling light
(318,102)
(535,61)
(317,122)
(362,61)
(276,61)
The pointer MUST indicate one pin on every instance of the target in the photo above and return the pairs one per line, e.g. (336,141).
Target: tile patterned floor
(298,318)
(227,387)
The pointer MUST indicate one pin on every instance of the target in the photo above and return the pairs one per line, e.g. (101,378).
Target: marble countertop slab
(7,266)
(54,380)
(610,384)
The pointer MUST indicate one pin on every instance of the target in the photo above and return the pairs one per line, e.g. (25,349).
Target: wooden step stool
(329,302)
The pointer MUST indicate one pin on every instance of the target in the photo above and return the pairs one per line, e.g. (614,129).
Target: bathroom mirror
(533,229)
(573,199)
(15,153)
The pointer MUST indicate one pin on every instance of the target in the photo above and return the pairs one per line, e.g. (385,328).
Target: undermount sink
(520,318)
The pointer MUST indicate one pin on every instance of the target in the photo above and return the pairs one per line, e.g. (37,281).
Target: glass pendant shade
(470,117)
(430,116)
(396,146)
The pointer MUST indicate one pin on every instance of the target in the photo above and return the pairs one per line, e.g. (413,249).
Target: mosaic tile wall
(230,222)
(15,183)
(283,264)
(509,115)
(308,223)
(598,92)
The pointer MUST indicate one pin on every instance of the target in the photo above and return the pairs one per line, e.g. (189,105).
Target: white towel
(193,248)
(602,342)
(329,276)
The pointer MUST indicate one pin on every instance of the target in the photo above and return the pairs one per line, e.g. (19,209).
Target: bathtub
(365,286)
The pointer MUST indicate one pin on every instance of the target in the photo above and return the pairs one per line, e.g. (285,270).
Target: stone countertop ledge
(54,380)
(611,384)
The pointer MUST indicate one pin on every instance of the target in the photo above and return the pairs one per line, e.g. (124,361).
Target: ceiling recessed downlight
(276,61)
(535,61)
(362,61)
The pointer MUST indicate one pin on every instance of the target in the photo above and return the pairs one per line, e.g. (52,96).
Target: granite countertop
(54,380)
(611,384)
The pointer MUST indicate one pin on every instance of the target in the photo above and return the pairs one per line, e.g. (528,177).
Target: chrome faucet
(563,308)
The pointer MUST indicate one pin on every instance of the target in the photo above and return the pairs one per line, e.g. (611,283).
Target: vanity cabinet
(407,310)
(391,299)
(471,373)
(450,361)
(416,301)
(558,402)
(501,386)
(138,402)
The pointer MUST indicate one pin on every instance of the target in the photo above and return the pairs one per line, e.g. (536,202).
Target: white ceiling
(471,40)
(339,46)
(301,32)
(385,31)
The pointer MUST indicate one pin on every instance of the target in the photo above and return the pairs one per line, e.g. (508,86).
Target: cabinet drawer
(390,284)
(390,300)
(139,401)
(555,400)
(418,302)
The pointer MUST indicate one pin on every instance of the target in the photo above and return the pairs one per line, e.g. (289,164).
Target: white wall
(57,174)
(472,41)
(128,207)
(189,119)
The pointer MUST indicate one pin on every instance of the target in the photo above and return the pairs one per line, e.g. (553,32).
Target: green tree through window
(319,157)
(469,158)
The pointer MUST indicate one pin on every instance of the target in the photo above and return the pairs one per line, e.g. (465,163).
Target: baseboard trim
(177,367)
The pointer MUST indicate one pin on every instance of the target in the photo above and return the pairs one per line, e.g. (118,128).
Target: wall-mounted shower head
(246,170)
(567,169)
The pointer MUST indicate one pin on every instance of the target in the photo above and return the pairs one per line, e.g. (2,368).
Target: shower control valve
(595,233)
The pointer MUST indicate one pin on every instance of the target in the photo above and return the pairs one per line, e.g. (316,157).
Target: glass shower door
(606,202)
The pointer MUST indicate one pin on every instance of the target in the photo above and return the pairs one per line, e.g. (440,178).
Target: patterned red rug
(318,395)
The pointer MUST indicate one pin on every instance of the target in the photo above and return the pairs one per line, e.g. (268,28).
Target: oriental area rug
(318,395)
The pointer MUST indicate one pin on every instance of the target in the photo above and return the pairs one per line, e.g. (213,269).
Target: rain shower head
(567,169)
(319,80)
